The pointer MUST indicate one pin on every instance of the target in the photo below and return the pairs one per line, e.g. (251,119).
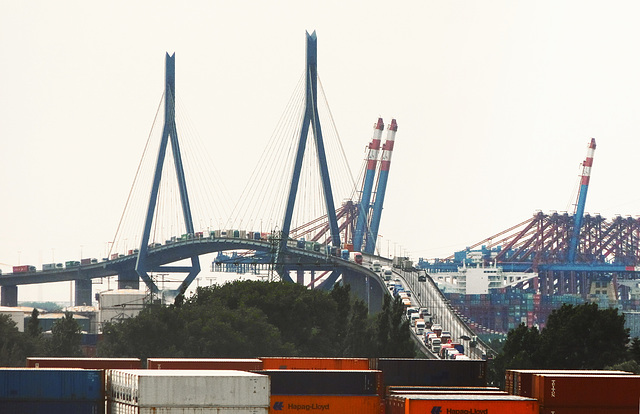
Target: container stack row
(143,391)
(293,384)
(577,391)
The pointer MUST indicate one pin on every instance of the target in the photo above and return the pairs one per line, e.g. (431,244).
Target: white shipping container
(188,388)
(121,408)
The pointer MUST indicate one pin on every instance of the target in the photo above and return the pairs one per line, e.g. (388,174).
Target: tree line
(236,320)
(16,346)
(575,337)
(251,319)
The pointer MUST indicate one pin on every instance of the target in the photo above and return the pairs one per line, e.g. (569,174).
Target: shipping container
(52,407)
(605,391)
(179,388)
(410,389)
(443,404)
(24,269)
(48,266)
(458,393)
(121,408)
(85,261)
(50,384)
(520,381)
(86,363)
(406,371)
(319,382)
(205,363)
(325,404)
(351,364)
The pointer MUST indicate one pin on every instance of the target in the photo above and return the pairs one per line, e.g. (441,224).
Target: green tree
(46,306)
(634,350)
(13,347)
(249,319)
(393,332)
(583,337)
(342,296)
(629,366)
(360,334)
(575,337)
(66,337)
(520,351)
(33,326)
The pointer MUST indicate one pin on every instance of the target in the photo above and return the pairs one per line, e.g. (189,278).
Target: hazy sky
(496,102)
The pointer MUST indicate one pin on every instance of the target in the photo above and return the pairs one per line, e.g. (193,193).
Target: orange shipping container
(205,363)
(493,404)
(325,404)
(591,391)
(351,364)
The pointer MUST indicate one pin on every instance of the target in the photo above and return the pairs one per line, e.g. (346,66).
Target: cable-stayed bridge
(286,216)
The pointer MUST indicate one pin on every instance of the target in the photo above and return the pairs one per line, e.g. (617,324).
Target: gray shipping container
(186,388)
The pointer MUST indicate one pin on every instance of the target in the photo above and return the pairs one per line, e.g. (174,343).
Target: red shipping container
(205,363)
(85,363)
(456,392)
(403,389)
(520,381)
(590,391)
(21,269)
(350,364)
(493,404)
(325,404)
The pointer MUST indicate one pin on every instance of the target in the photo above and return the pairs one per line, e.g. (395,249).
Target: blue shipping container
(52,407)
(45,384)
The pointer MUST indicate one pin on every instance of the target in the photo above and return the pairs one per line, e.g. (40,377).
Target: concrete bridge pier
(83,294)
(9,296)
(128,279)
(365,288)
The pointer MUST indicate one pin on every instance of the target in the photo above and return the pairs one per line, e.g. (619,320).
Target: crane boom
(582,198)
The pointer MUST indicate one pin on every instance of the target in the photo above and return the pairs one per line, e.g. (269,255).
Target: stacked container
(187,392)
(86,363)
(558,393)
(326,391)
(443,404)
(520,381)
(205,363)
(434,372)
(51,391)
(315,363)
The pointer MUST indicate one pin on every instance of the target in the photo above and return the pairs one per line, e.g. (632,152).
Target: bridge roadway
(427,294)
(365,283)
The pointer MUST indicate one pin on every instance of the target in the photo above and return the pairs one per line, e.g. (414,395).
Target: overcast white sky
(496,102)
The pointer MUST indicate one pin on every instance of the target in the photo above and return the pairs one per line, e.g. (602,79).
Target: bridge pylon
(169,134)
(311,118)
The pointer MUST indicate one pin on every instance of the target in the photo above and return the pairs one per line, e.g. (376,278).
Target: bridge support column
(300,277)
(83,292)
(128,280)
(365,289)
(9,296)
